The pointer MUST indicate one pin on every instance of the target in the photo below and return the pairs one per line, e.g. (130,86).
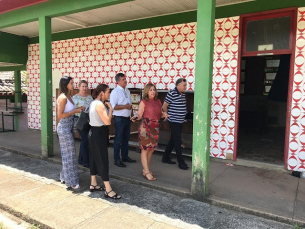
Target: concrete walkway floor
(270,194)
(30,191)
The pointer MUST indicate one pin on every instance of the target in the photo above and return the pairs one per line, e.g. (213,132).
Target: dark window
(268,34)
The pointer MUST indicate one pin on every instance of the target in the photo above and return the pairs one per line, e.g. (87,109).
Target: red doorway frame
(293,12)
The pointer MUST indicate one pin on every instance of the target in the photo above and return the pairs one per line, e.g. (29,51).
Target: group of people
(94,142)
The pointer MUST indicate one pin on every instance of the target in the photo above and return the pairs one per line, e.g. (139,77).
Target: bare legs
(146,156)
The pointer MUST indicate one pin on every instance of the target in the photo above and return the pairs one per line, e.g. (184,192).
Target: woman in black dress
(100,114)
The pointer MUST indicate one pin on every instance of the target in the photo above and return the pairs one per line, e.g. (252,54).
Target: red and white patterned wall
(161,55)
(157,55)
(224,87)
(296,151)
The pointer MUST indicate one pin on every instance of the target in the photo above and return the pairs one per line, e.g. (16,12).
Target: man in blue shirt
(174,107)
(120,100)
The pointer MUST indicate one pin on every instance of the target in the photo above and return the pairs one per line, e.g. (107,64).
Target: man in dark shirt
(175,107)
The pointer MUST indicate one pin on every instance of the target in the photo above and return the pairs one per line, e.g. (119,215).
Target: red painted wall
(9,5)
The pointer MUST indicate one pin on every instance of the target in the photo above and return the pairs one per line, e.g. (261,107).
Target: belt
(122,117)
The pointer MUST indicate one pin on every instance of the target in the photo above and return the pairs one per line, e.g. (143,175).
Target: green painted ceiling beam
(124,26)
(51,8)
(13,68)
(13,48)
(221,12)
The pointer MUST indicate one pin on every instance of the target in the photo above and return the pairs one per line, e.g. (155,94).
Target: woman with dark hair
(65,113)
(150,112)
(100,114)
(83,99)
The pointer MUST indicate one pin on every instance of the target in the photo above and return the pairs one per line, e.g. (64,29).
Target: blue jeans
(83,157)
(121,139)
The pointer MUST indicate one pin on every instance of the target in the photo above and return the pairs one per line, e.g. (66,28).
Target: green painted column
(45,55)
(18,99)
(202,97)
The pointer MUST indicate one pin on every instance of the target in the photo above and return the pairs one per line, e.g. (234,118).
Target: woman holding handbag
(83,99)
(100,114)
(65,113)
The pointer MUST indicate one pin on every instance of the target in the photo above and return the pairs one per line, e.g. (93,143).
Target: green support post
(46,100)
(18,102)
(202,97)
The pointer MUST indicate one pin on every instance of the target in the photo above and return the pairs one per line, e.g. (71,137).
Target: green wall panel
(13,48)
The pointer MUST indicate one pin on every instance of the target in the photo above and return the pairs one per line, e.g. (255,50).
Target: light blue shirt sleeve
(129,97)
(113,98)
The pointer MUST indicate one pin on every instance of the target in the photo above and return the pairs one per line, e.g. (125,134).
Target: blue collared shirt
(120,96)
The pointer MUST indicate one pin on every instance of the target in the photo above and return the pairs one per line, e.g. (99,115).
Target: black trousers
(98,152)
(174,142)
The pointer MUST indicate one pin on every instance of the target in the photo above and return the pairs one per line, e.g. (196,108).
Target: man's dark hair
(180,80)
(118,76)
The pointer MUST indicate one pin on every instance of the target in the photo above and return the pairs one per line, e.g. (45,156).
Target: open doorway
(264,84)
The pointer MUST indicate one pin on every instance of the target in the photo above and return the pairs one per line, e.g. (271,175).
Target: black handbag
(82,123)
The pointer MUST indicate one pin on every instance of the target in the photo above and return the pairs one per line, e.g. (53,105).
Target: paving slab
(116,217)
(158,225)
(299,213)
(36,199)
(69,212)
(256,188)
(17,186)
(7,176)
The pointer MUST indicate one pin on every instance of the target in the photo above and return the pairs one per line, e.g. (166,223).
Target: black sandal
(115,197)
(96,189)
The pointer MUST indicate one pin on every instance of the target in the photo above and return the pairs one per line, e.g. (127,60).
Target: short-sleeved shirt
(80,101)
(177,106)
(152,109)
(120,96)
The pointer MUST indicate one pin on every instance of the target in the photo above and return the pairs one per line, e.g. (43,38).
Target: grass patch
(298,227)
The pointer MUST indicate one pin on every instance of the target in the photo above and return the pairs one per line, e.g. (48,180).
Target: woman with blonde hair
(150,113)
(82,99)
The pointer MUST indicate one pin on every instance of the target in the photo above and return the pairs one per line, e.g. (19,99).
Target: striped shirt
(177,106)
